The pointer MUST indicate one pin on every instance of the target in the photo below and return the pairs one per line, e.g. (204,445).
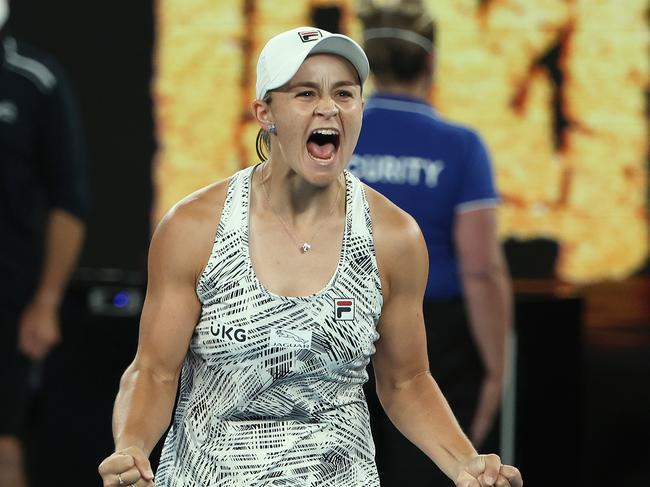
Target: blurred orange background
(556,89)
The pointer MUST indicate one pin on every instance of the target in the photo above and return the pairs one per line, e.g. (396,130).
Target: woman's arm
(408,393)
(180,247)
(171,310)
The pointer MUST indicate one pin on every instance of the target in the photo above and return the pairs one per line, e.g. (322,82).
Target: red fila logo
(344,309)
(310,35)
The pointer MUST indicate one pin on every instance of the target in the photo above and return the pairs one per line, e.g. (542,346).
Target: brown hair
(395,59)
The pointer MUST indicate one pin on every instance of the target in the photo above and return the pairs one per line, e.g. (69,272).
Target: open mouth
(322,144)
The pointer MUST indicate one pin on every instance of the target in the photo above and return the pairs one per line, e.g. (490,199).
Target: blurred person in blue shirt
(440,173)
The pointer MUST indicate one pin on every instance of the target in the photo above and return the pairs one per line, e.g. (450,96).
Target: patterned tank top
(271,387)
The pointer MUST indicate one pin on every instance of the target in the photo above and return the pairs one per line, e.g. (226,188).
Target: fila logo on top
(344,309)
(309,35)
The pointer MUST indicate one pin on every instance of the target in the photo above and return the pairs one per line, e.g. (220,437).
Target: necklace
(305,246)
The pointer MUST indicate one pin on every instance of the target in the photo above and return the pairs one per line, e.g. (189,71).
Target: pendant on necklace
(305,248)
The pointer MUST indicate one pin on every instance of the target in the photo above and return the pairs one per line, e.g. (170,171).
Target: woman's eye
(306,93)
(345,94)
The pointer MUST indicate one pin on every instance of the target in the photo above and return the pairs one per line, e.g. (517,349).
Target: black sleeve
(61,149)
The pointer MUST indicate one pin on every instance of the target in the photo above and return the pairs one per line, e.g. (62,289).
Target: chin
(322,172)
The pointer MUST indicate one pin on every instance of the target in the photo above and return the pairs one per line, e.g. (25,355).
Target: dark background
(106,49)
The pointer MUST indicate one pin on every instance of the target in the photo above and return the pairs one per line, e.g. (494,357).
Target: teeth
(326,132)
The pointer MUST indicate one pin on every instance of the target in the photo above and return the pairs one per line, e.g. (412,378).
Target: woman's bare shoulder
(389,221)
(399,244)
(186,232)
(200,208)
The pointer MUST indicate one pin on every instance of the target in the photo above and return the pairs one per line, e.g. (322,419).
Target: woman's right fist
(129,467)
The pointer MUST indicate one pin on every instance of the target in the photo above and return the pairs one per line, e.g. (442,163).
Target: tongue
(320,151)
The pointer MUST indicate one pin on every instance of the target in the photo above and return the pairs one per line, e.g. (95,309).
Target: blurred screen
(556,89)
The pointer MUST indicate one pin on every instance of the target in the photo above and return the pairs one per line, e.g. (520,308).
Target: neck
(290,195)
(419,88)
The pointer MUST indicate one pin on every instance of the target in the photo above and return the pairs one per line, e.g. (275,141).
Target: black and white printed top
(271,388)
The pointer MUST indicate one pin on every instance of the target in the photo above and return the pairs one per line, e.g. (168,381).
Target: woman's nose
(327,107)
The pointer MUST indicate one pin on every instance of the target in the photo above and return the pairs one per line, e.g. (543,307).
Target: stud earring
(272,129)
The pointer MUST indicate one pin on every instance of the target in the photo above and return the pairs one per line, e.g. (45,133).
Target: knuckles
(493,457)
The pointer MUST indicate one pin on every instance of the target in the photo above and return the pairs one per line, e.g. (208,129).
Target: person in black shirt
(43,204)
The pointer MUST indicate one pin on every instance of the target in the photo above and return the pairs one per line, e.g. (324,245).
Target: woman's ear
(262,113)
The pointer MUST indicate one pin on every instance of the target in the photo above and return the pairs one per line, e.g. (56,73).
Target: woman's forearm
(419,411)
(143,408)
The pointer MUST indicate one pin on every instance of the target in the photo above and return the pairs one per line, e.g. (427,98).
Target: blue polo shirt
(430,168)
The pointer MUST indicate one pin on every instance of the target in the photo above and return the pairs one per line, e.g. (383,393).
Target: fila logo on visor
(310,35)
(344,309)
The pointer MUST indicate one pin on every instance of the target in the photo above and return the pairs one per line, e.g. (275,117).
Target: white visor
(283,55)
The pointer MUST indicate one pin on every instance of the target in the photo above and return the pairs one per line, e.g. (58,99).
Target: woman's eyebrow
(338,84)
(316,86)
(302,84)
